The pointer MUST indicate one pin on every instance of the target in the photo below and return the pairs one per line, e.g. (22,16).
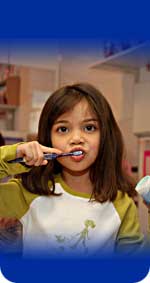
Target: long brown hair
(106,173)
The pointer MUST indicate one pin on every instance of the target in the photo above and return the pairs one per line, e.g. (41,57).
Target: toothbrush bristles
(77,153)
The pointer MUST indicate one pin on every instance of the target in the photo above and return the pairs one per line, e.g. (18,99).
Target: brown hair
(2,140)
(106,173)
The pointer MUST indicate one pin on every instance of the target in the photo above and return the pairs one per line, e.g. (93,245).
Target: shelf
(7,107)
(12,137)
(129,60)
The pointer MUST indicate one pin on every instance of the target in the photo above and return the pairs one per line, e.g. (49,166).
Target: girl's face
(77,129)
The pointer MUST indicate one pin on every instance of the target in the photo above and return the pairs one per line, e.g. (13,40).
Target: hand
(33,152)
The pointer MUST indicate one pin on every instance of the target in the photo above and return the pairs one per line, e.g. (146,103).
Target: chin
(77,171)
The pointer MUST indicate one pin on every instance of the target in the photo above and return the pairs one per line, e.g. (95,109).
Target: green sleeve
(14,199)
(129,238)
(8,152)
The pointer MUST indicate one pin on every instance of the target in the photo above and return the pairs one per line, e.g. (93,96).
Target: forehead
(80,110)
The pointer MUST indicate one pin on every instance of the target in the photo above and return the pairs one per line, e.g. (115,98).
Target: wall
(31,79)
(141,127)
(78,69)
(126,118)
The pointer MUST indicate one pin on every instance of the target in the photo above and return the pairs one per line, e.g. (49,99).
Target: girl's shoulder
(123,199)
(123,204)
(121,196)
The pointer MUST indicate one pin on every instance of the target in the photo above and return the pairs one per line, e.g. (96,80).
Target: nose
(76,137)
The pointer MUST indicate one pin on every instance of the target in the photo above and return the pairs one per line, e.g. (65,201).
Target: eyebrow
(84,121)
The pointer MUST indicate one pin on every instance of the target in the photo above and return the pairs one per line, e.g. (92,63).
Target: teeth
(78,153)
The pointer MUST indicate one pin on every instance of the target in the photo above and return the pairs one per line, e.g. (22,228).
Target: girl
(76,205)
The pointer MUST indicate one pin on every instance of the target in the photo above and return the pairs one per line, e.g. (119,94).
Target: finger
(50,149)
(39,156)
(44,162)
(28,152)
(37,153)
(32,153)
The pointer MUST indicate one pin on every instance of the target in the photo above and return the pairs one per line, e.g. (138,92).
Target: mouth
(78,158)
(75,149)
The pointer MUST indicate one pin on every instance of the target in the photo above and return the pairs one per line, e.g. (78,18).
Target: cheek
(95,143)
(94,148)
(57,143)
(54,139)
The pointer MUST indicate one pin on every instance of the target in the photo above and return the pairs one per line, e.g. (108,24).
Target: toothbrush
(49,156)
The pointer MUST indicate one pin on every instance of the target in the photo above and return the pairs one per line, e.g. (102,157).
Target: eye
(89,128)
(62,129)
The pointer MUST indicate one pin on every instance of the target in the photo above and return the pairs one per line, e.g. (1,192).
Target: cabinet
(9,101)
(10,91)
(7,117)
(13,90)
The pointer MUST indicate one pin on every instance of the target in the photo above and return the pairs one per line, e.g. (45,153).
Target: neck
(79,182)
